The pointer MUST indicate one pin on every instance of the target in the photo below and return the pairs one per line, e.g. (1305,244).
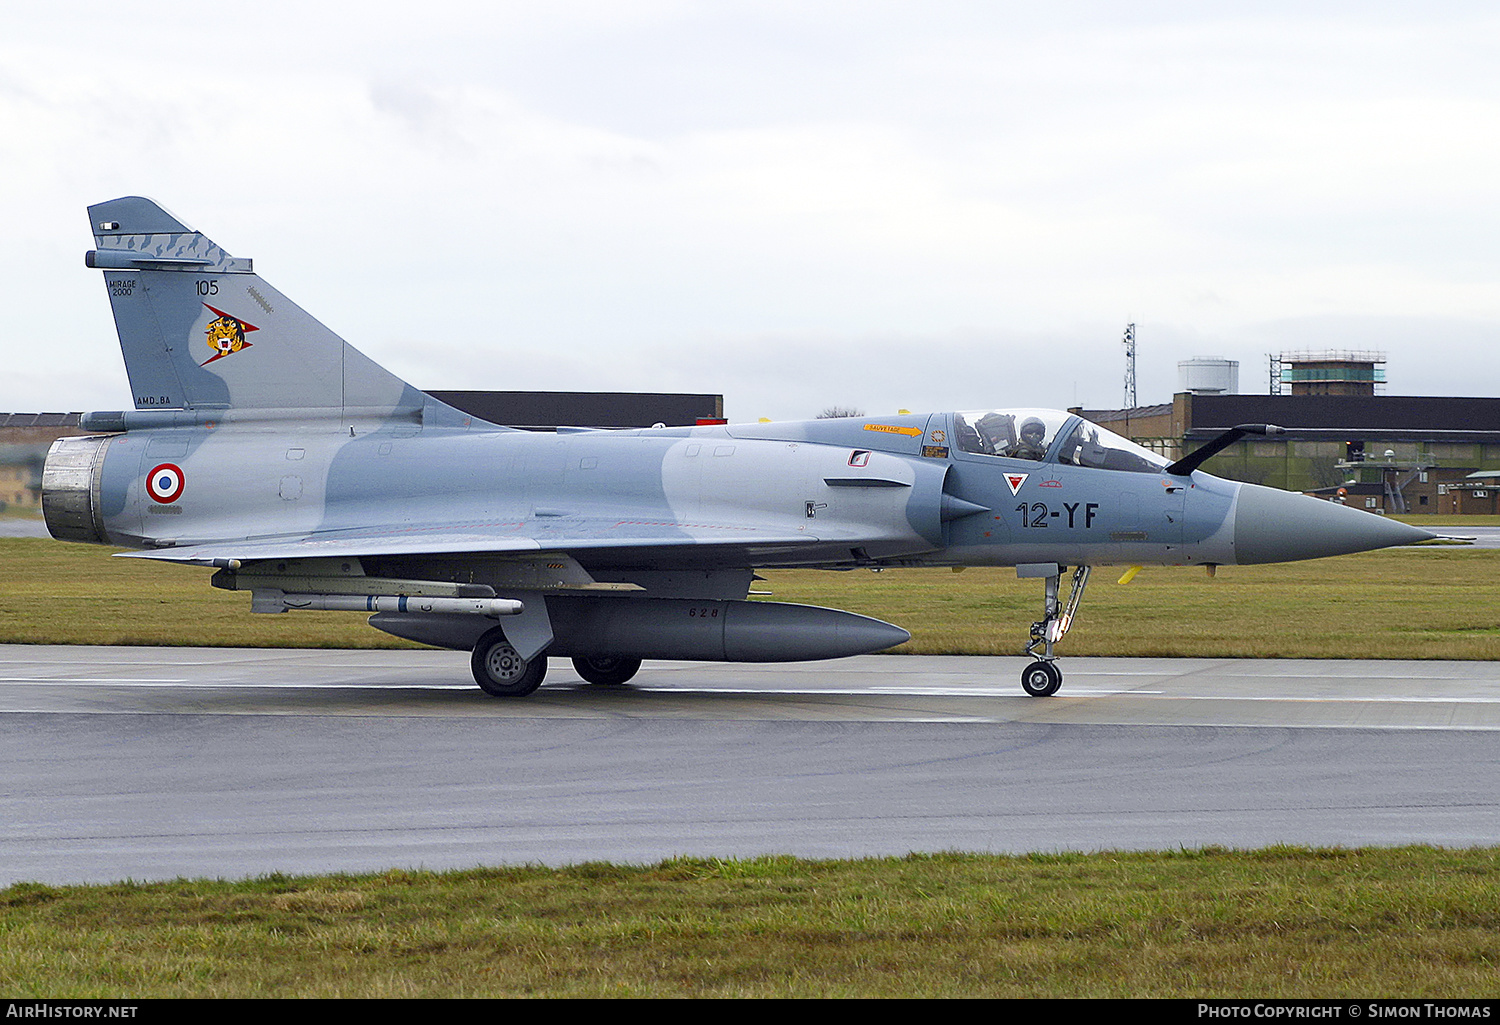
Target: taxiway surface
(152,763)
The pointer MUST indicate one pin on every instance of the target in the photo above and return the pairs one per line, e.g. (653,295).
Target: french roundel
(164,483)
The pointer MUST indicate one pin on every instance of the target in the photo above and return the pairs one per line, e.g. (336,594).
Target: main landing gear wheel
(501,672)
(1041,679)
(606,670)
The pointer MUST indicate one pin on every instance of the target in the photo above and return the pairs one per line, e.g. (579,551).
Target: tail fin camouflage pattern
(200,330)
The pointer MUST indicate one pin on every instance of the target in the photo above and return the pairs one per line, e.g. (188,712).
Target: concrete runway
(153,763)
(1479,537)
(23,526)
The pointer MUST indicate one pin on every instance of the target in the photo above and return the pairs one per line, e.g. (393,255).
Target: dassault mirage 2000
(264,445)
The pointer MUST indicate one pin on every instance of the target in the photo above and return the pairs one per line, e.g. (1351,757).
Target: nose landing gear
(1042,678)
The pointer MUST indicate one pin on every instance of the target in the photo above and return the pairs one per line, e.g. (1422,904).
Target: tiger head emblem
(226,335)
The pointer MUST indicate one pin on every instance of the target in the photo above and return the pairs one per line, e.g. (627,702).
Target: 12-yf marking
(1037,514)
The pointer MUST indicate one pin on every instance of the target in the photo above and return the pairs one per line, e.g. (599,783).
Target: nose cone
(1279,526)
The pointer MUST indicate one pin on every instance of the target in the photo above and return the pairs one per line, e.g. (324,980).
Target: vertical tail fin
(200,330)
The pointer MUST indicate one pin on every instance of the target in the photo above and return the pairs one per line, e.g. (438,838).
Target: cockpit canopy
(1049,435)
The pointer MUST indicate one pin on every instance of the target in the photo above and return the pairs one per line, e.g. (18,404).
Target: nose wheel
(1042,678)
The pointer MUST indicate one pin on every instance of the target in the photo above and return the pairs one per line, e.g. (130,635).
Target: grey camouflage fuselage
(263,444)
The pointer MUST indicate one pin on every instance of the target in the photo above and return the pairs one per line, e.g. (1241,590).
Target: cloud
(897,202)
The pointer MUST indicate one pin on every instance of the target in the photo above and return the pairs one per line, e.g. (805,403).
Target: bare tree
(840,412)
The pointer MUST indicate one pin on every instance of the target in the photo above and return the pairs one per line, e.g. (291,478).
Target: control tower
(1331,372)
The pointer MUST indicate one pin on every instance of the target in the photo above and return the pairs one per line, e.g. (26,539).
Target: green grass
(53,592)
(1433,603)
(1281,922)
(1443,520)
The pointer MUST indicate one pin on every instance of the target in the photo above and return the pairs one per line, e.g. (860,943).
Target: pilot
(1033,443)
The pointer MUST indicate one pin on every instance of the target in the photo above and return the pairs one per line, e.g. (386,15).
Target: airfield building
(1386,453)
(1330,372)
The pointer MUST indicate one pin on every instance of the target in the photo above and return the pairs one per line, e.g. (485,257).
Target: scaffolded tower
(1329,372)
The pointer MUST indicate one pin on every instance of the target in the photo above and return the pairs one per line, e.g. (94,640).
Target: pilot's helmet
(1033,431)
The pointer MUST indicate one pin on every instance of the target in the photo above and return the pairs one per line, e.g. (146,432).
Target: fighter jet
(263,445)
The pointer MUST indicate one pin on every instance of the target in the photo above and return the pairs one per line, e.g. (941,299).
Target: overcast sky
(873,204)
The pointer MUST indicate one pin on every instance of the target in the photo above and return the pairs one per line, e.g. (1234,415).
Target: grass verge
(1281,922)
(1402,603)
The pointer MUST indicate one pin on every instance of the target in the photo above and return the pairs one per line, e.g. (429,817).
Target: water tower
(1208,375)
